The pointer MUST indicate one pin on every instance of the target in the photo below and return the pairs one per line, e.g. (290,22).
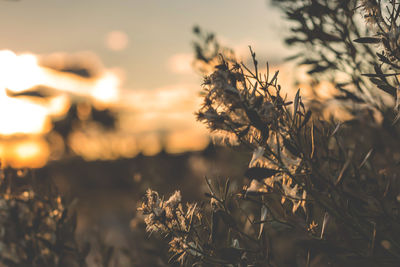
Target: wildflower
(370,6)
(225,138)
(370,9)
(154,203)
(167,216)
(178,247)
(174,199)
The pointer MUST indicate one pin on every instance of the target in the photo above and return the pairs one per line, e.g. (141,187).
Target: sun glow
(106,88)
(23,117)
(18,73)
(24,152)
(27,150)
(161,118)
(22,72)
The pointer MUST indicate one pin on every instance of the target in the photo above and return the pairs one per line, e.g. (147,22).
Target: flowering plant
(317,191)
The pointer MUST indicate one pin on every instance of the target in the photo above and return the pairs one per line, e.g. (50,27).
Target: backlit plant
(317,191)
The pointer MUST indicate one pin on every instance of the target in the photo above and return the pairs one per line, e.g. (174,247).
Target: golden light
(150,144)
(58,106)
(106,88)
(164,117)
(117,40)
(93,144)
(18,73)
(190,139)
(25,120)
(18,153)
(181,63)
(27,150)
(31,153)
(19,116)
(23,117)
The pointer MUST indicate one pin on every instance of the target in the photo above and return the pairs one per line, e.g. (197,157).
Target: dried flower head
(165,216)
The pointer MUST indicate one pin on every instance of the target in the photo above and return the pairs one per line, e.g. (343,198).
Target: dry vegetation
(321,191)
(318,191)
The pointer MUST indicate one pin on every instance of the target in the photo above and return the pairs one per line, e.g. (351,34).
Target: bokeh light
(116,40)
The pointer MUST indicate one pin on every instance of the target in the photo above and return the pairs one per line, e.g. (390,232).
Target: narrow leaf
(344,168)
(263,217)
(306,118)
(336,129)
(296,102)
(291,147)
(368,40)
(227,185)
(275,77)
(380,74)
(259,173)
(366,158)
(318,68)
(312,141)
(324,223)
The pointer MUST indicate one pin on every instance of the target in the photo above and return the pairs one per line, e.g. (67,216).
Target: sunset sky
(145,48)
(156,31)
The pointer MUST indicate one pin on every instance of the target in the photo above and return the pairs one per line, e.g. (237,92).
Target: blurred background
(100,96)
(127,65)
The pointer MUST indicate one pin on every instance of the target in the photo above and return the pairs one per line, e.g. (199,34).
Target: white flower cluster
(166,216)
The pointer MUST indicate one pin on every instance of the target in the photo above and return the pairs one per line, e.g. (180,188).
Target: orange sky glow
(146,116)
(142,69)
(140,64)
(149,120)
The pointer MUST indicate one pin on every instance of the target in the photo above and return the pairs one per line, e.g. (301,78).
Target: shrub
(317,191)
(36,227)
